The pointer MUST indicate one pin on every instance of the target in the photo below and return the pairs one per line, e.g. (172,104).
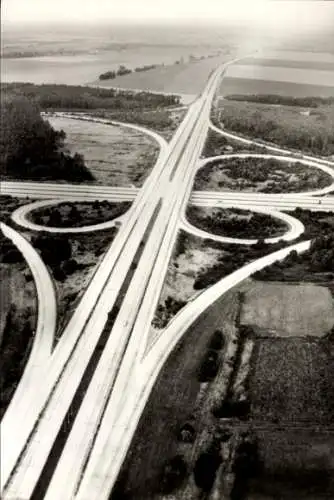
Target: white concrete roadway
(294,228)
(284,159)
(127,332)
(46,319)
(86,117)
(89,474)
(19,216)
(121,430)
(22,470)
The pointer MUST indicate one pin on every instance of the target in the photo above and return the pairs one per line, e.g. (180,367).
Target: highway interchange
(124,373)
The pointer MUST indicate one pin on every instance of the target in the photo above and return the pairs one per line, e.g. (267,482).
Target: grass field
(116,156)
(292,415)
(298,465)
(305,75)
(292,382)
(288,310)
(233,85)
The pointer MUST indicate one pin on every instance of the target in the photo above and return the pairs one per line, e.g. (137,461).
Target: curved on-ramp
(46,318)
(295,228)
(139,128)
(267,146)
(20,218)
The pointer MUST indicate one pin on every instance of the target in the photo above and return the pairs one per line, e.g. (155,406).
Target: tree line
(123,70)
(277,99)
(54,96)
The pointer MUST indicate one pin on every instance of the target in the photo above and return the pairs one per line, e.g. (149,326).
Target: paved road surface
(104,426)
(46,321)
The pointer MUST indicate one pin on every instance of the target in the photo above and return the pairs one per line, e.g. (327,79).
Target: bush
(54,249)
(217,341)
(209,366)
(173,474)
(187,433)
(206,468)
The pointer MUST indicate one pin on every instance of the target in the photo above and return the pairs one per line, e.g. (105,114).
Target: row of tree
(60,96)
(123,70)
(283,100)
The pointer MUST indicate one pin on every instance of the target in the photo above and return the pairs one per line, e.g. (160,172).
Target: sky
(269,13)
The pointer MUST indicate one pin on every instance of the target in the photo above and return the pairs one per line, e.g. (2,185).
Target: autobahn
(88,467)
(158,206)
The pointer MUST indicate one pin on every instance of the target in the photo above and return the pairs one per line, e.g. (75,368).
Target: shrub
(173,474)
(206,468)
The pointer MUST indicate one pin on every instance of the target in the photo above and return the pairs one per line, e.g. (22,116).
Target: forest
(31,149)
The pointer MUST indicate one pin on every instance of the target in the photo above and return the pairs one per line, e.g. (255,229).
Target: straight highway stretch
(156,205)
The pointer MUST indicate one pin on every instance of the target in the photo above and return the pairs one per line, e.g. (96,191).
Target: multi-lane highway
(118,379)
(158,205)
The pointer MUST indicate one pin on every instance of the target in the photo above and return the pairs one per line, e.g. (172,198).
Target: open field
(233,85)
(235,223)
(260,175)
(314,56)
(292,382)
(68,214)
(288,310)
(176,395)
(285,72)
(304,76)
(321,64)
(115,156)
(298,465)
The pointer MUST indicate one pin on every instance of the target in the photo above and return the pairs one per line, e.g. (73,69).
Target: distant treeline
(52,96)
(308,102)
(123,70)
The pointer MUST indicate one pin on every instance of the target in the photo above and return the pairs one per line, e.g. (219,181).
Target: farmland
(259,175)
(288,310)
(292,382)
